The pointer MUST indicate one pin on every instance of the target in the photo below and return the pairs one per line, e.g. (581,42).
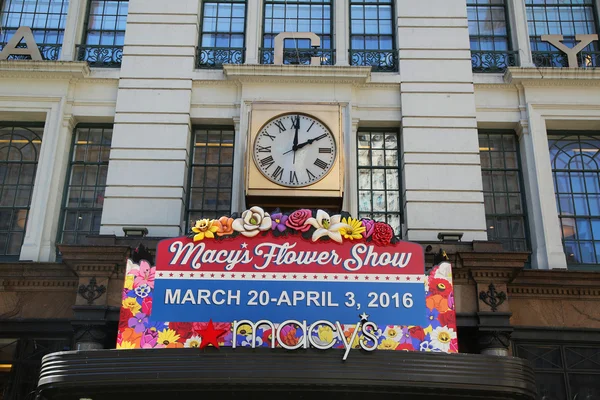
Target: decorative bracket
(492,298)
(92,291)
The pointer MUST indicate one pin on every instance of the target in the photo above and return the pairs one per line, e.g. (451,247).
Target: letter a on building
(22,34)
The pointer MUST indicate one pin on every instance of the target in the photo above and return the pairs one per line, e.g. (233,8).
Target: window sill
(302,73)
(514,75)
(45,69)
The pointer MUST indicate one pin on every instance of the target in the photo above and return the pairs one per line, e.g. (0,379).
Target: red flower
(440,286)
(297,219)
(200,326)
(405,347)
(448,318)
(124,318)
(147,305)
(184,329)
(417,332)
(382,234)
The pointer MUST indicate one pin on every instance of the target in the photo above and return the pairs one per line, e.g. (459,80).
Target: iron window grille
(567,18)
(575,159)
(489,32)
(104,33)
(211,173)
(222,36)
(45,17)
(563,371)
(379,185)
(86,183)
(372,39)
(298,16)
(502,190)
(20,146)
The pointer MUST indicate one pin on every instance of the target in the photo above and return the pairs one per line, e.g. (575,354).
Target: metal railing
(299,56)
(50,52)
(489,61)
(100,56)
(558,59)
(378,60)
(215,57)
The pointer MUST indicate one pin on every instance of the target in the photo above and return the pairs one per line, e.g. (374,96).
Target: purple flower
(138,322)
(432,318)
(149,339)
(405,336)
(451,301)
(278,221)
(369,225)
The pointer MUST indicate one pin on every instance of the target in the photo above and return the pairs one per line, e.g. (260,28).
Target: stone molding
(40,277)
(297,73)
(552,76)
(44,69)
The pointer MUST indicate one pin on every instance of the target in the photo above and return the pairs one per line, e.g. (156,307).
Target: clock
(294,150)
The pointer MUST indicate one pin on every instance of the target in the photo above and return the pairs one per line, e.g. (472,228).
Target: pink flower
(147,305)
(369,225)
(382,234)
(297,220)
(144,275)
(149,339)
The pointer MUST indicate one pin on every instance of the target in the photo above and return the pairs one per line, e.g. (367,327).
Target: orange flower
(225,226)
(130,336)
(438,302)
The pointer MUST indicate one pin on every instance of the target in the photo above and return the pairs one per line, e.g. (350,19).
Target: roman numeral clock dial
(294,150)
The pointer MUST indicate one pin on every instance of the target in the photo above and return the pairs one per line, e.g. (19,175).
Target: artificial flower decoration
(297,220)
(327,226)
(278,221)
(125,345)
(168,338)
(132,304)
(441,338)
(369,225)
(193,342)
(355,230)
(225,226)
(144,275)
(205,228)
(252,222)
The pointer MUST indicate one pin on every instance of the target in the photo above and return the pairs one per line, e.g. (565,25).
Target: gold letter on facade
(22,34)
(315,41)
(571,52)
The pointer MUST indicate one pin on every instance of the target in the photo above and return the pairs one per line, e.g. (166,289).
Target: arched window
(575,162)
(19,152)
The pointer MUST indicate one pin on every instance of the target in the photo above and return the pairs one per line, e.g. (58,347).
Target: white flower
(252,222)
(327,226)
(394,333)
(441,338)
(247,342)
(425,346)
(193,341)
(444,271)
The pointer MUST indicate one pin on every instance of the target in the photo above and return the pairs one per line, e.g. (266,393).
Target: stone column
(441,168)
(520,32)
(148,168)
(73,27)
(342,31)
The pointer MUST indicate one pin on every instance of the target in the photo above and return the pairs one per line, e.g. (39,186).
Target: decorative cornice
(297,73)
(44,69)
(556,284)
(553,292)
(553,76)
(38,285)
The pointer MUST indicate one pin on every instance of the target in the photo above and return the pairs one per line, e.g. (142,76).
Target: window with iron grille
(575,160)
(372,39)
(563,371)
(379,188)
(567,18)
(86,183)
(19,153)
(46,18)
(222,37)
(104,33)
(298,16)
(490,36)
(502,190)
(211,173)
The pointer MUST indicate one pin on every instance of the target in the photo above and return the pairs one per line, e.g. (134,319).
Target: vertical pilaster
(40,236)
(546,241)
(441,166)
(520,32)
(254,18)
(342,31)
(75,16)
(149,157)
(351,182)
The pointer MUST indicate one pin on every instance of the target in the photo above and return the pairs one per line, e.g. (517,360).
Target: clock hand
(295,144)
(309,141)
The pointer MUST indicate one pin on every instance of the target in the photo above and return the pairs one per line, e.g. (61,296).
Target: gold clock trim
(283,115)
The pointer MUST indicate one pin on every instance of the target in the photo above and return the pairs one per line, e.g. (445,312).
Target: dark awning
(265,373)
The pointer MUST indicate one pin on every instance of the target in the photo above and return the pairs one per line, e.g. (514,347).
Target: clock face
(294,150)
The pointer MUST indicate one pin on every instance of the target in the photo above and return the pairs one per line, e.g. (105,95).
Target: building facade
(472,120)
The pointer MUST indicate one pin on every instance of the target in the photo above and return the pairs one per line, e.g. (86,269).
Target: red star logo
(160,274)
(408,278)
(387,278)
(210,335)
(418,278)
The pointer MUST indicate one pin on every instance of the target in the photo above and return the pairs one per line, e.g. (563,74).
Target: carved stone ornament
(488,341)
(492,297)
(92,291)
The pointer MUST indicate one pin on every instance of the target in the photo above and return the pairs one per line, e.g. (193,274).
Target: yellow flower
(132,304)
(126,345)
(167,336)
(326,334)
(354,229)
(392,333)
(388,344)
(205,228)
(244,329)
(129,282)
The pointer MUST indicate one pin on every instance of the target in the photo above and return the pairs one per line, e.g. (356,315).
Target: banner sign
(301,280)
